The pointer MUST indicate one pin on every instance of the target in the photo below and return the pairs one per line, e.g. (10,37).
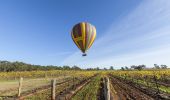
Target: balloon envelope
(83,35)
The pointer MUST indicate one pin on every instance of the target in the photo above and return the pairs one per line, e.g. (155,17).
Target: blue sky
(128,32)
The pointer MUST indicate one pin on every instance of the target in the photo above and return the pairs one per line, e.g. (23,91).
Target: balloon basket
(84,54)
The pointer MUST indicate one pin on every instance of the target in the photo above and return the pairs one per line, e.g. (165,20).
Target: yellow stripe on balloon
(89,36)
(83,34)
(93,38)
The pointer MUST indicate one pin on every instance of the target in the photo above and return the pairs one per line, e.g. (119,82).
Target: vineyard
(85,85)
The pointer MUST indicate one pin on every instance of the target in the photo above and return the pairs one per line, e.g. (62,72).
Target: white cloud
(141,37)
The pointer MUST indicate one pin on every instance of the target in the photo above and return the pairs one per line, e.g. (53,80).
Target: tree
(133,67)
(164,66)
(122,68)
(104,68)
(111,68)
(126,68)
(76,68)
(139,67)
(97,68)
(66,67)
(156,66)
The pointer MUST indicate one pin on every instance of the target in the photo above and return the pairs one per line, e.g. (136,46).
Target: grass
(89,92)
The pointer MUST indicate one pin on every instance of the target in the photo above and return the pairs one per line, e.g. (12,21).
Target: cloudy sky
(128,33)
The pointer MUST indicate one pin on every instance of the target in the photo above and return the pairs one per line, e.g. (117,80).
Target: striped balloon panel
(83,35)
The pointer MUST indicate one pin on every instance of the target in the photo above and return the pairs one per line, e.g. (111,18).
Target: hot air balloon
(83,35)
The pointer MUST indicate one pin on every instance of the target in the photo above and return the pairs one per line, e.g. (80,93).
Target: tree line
(6,66)
(142,67)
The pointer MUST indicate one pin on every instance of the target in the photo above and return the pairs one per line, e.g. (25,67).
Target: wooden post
(108,89)
(20,86)
(53,83)
(105,90)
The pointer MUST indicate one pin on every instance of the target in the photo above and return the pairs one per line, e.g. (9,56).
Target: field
(86,85)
